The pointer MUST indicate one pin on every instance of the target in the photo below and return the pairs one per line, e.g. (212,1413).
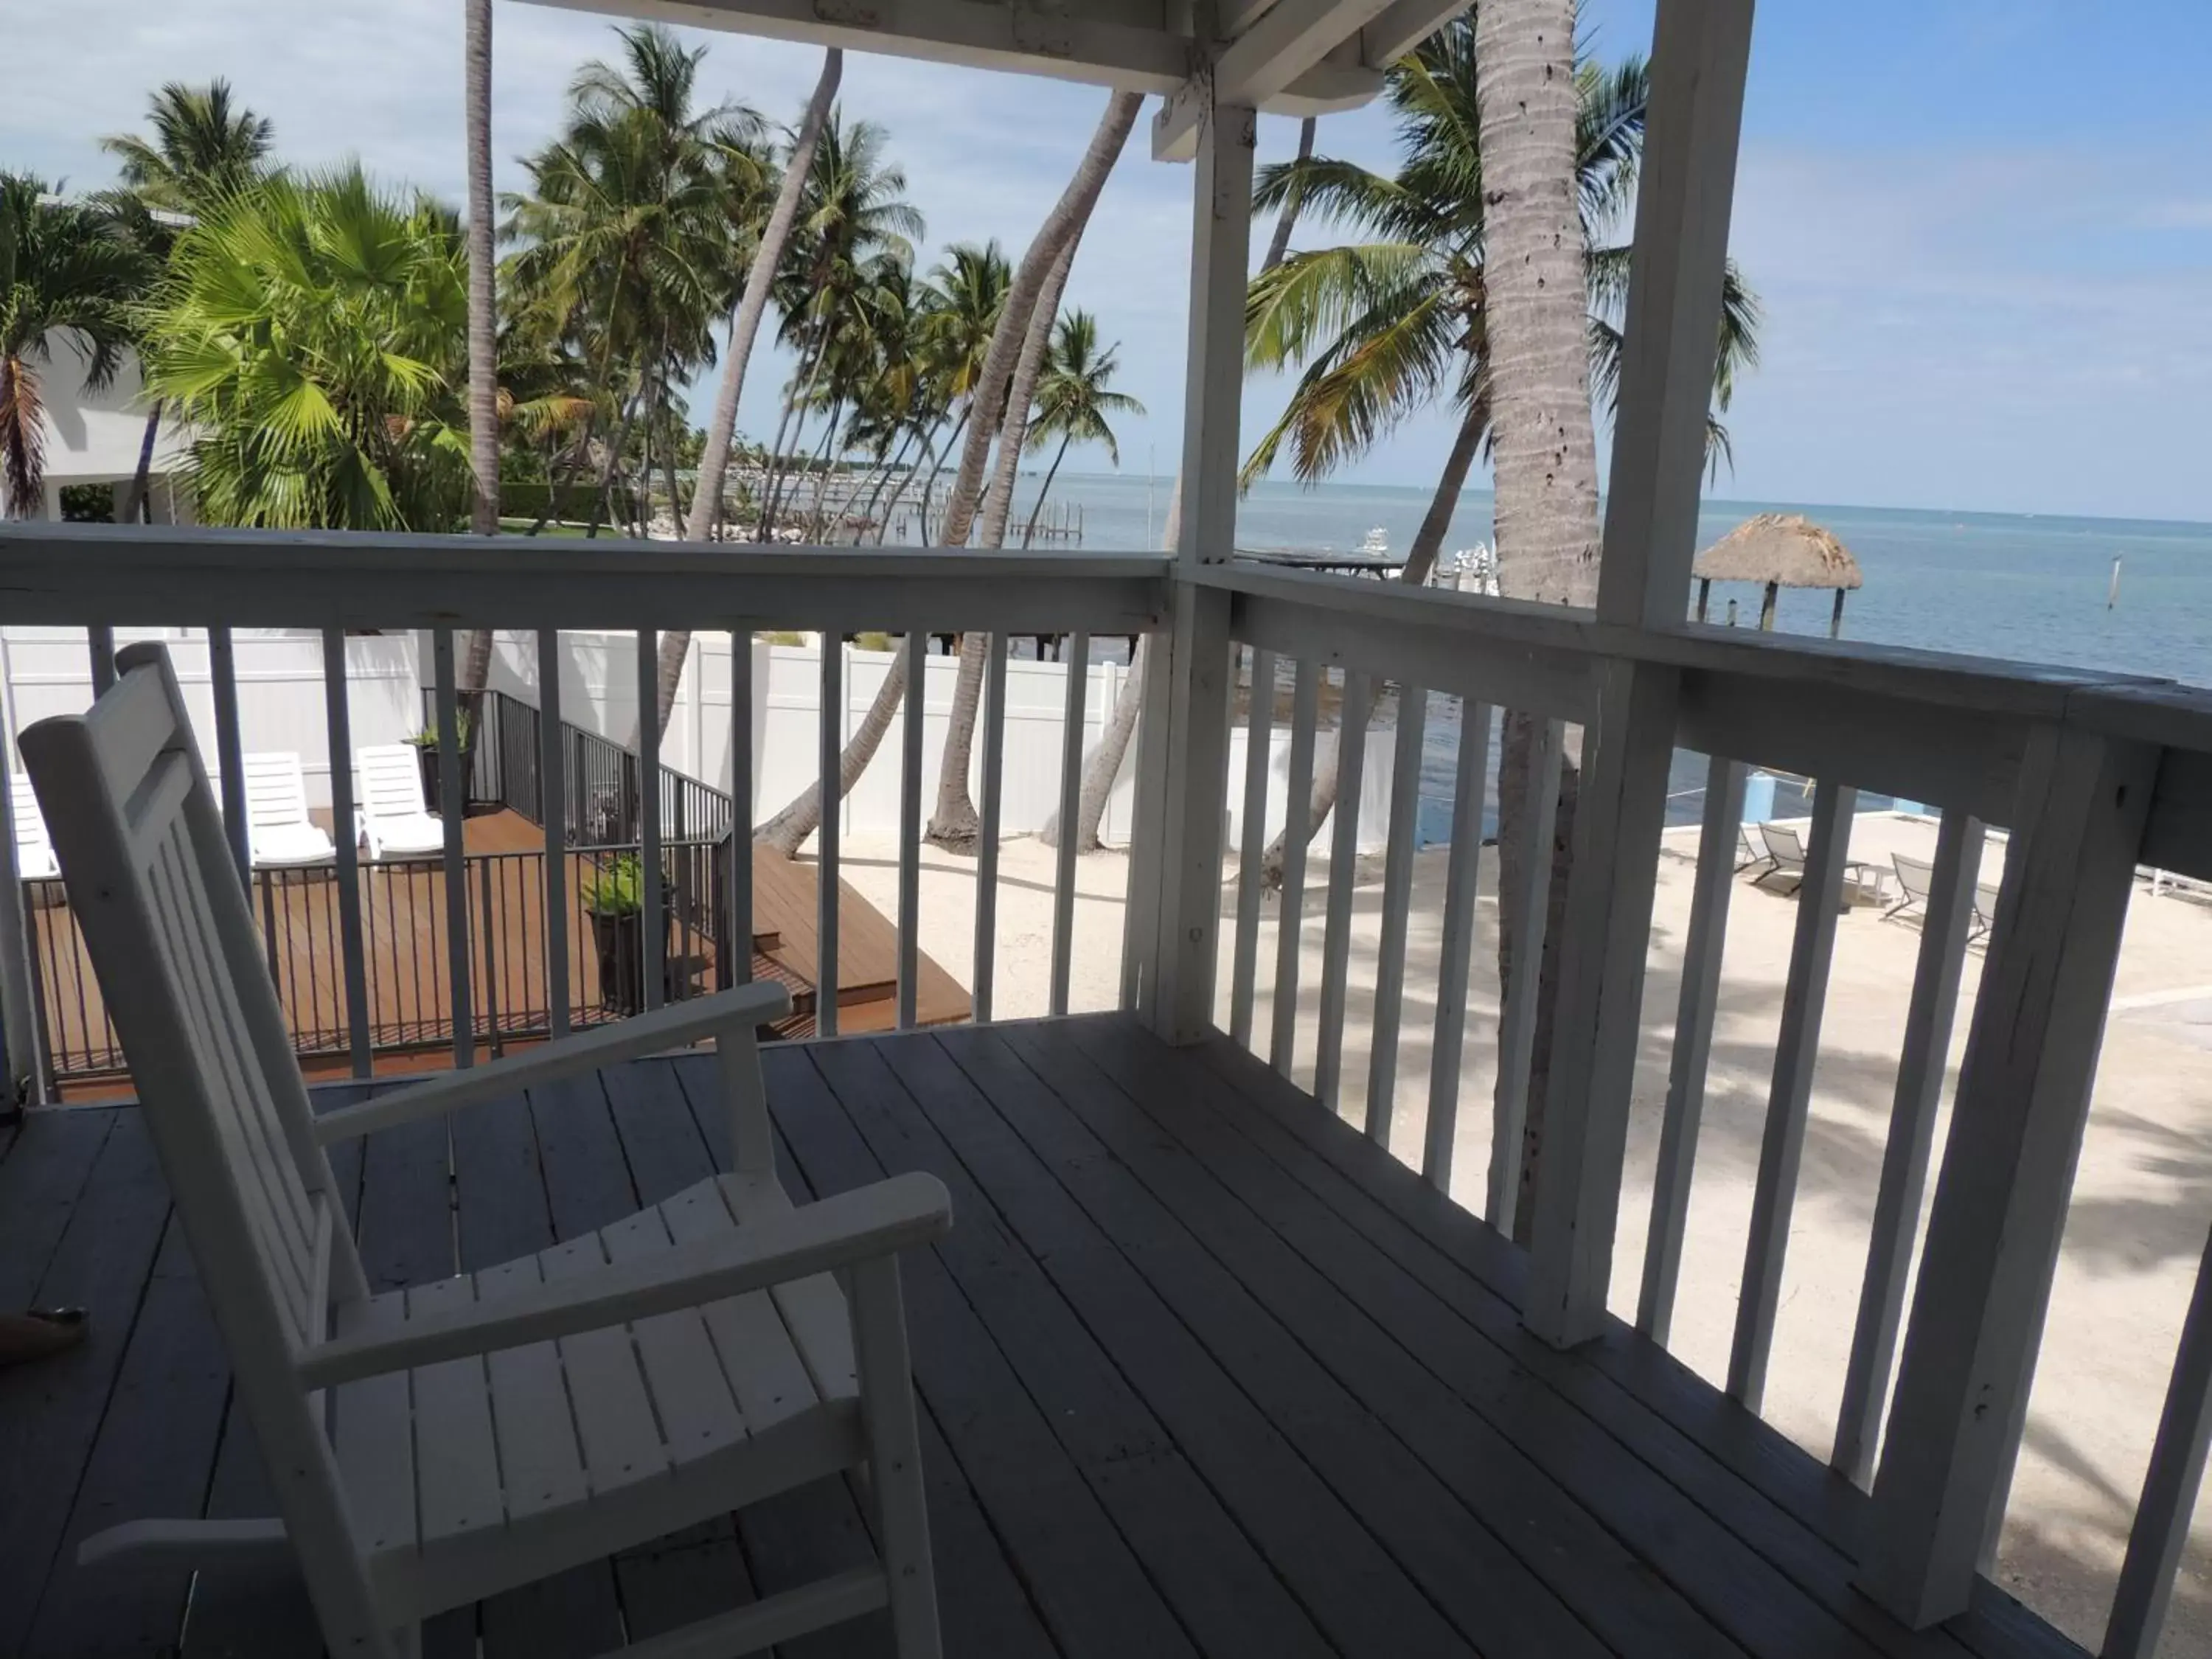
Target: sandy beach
(2142,1199)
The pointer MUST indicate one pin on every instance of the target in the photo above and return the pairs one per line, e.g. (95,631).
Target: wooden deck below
(1204,1373)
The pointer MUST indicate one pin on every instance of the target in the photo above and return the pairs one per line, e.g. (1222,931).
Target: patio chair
(1916,876)
(1750,855)
(35,849)
(1985,911)
(392,817)
(278,827)
(1785,853)
(434,1445)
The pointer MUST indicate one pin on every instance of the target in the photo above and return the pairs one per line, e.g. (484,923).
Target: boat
(1375,545)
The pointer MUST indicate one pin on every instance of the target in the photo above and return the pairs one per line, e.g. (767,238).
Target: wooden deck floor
(1203,1371)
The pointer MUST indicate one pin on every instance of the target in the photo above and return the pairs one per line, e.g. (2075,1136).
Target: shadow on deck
(1204,1373)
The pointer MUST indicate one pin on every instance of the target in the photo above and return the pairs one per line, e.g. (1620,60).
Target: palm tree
(314,330)
(483,318)
(1033,302)
(799,818)
(744,328)
(1073,401)
(630,227)
(964,297)
(200,151)
(1389,326)
(854,221)
(68,273)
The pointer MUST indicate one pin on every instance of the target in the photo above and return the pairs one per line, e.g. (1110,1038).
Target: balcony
(1207,1368)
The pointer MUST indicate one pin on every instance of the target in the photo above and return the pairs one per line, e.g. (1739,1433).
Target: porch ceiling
(1290,56)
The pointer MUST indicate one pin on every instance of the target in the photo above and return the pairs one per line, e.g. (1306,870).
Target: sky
(1980,230)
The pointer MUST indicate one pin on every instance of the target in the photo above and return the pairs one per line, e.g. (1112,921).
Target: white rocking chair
(435,1445)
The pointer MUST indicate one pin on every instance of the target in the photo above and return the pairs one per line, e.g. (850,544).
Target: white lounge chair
(392,817)
(434,1445)
(35,850)
(278,827)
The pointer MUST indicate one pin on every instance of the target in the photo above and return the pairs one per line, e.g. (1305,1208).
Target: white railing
(2091,775)
(101,579)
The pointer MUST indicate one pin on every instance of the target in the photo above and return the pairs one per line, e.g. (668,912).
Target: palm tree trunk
(788,828)
(1028,530)
(602,508)
(1104,765)
(955,822)
(798,820)
(483,326)
(1279,245)
(1545,453)
(1421,564)
(801,400)
(133,502)
(936,466)
(752,305)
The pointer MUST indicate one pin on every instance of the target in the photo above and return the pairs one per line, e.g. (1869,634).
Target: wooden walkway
(1204,1373)
(408,967)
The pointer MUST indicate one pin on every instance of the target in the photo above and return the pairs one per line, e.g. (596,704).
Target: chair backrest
(276,791)
(1783,844)
(181,970)
(31,837)
(391,782)
(1916,876)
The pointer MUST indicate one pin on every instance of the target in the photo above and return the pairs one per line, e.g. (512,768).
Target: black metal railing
(403,925)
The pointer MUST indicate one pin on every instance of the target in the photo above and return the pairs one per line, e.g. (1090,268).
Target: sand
(2142,1196)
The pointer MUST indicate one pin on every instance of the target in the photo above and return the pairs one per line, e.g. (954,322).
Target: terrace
(1206,1368)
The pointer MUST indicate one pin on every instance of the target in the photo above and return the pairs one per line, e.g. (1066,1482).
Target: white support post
(2007,1171)
(916,646)
(1686,185)
(1189,852)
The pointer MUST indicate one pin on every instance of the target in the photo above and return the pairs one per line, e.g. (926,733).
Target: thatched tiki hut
(1778,551)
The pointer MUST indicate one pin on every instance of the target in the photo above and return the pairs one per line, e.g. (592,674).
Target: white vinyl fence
(47,671)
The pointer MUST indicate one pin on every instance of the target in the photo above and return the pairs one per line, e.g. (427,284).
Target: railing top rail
(1575,637)
(127,575)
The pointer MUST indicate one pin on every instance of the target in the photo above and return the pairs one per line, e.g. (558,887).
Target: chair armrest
(871,1221)
(744,1008)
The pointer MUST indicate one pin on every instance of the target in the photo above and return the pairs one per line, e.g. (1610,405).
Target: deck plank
(1010,1220)
(52,1413)
(1713,1570)
(1094,1597)
(41,1184)
(984,1608)
(1777,1497)
(503,1187)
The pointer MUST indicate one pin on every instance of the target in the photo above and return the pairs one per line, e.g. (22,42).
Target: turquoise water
(2021,587)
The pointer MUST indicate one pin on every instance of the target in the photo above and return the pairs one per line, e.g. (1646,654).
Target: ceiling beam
(1291,39)
(1106,43)
(1401,26)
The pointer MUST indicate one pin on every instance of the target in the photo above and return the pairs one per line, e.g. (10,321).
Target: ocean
(2024,587)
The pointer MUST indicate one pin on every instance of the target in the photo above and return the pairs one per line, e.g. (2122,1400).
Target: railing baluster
(740,875)
(986,852)
(1819,900)
(553,809)
(452,813)
(1305,709)
(654,917)
(1259,731)
(1694,1044)
(100,638)
(1928,1019)
(2170,1487)
(1397,899)
(1516,1035)
(1463,879)
(1077,662)
(909,844)
(1343,873)
(337,720)
(229,751)
(832,741)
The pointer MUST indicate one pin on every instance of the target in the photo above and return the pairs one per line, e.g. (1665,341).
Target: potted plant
(426,756)
(614,898)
